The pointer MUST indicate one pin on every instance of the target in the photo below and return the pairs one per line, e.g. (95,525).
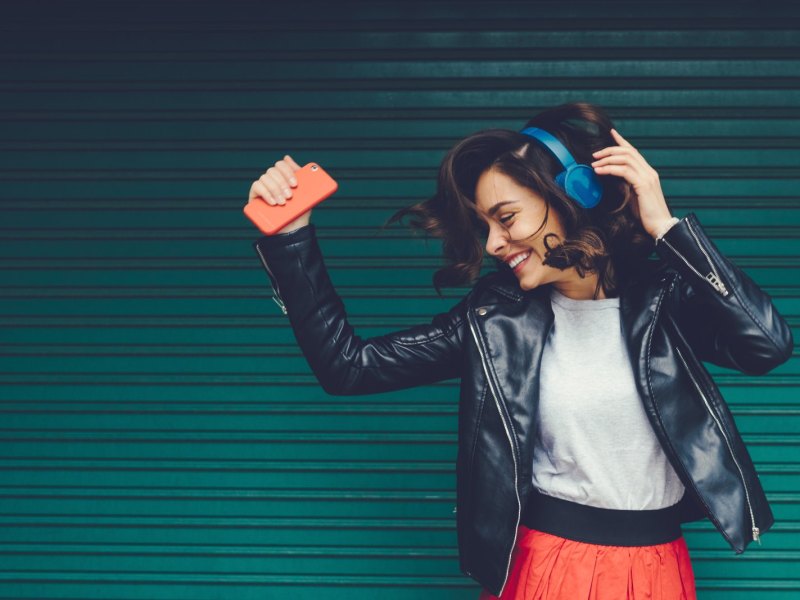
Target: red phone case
(314,185)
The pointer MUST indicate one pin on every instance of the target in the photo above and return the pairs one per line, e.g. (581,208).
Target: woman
(588,427)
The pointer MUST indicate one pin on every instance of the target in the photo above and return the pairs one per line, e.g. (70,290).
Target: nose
(496,240)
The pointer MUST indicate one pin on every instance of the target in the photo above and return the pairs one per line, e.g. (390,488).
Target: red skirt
(548,567)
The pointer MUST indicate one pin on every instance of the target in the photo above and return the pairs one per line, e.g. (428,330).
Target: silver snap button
(482,310)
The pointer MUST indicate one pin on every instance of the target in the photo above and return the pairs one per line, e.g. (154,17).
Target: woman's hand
(274,187)
(626,162)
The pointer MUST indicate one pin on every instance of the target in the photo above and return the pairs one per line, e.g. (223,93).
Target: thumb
(292,163)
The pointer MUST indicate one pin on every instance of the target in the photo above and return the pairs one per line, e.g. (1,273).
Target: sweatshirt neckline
(573,304)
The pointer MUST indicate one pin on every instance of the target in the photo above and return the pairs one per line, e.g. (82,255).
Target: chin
(526,284)
(530,281)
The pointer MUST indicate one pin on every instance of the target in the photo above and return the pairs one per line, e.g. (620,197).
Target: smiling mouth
(517,263)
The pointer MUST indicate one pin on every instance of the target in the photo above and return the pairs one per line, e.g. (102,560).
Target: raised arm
(727,319)
(343,362)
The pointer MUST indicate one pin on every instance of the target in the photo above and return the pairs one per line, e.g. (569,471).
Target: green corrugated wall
(162,435)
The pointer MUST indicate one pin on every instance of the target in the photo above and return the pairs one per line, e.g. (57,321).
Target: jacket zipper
(755,529)
(510,442)
(713,277)
(276,296)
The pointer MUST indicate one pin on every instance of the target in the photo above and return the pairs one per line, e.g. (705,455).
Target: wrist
(662,227)
(277,240)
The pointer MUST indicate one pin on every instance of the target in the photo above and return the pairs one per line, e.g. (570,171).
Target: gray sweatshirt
(594,443)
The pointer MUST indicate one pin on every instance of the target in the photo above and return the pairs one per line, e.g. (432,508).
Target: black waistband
(595,525)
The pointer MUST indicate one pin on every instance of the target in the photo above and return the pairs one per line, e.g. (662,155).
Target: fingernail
(293,181)
(286,192)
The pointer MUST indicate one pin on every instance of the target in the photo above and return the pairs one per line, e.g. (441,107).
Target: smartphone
(313,186)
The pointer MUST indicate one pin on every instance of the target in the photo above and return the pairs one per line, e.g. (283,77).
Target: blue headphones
(578,181)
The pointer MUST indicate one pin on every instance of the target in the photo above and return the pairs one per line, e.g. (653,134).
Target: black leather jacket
(692,304)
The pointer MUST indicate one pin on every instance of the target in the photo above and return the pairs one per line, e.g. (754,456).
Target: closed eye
(483,227)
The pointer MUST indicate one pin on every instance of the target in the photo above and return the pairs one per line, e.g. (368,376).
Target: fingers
(275,184)
(629,167)
(624,165)
(625,153)
(620,140)
(623,146)
(625,171)
(260,189)
(287,172)
(278,181)
(618,159)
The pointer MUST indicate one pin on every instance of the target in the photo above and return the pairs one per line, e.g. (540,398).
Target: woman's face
(515,212)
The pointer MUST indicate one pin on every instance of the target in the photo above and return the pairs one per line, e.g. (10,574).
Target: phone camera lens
(314,167)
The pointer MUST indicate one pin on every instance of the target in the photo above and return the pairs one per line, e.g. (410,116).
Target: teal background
(162,435)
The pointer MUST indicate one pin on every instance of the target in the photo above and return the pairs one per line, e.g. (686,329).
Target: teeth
(518,259)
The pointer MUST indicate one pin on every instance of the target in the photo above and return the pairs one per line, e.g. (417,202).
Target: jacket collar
(503,286)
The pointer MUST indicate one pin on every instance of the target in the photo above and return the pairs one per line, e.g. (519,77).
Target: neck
(580,288)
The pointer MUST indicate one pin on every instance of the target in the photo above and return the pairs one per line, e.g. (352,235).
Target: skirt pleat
(548,567)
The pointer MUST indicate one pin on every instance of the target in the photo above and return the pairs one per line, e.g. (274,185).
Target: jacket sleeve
(343,362)
(727,319)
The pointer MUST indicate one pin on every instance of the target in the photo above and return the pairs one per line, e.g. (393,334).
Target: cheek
(538,248)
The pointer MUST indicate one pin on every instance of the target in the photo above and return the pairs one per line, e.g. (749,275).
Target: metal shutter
(162,435)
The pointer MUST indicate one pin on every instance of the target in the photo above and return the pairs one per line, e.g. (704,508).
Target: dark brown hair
(608,238)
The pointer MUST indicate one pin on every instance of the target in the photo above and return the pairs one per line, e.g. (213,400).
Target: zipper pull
(276,296)
(717,283)
(756,535)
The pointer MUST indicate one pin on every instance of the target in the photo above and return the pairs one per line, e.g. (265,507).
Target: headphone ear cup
(578,181)
(582,185)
